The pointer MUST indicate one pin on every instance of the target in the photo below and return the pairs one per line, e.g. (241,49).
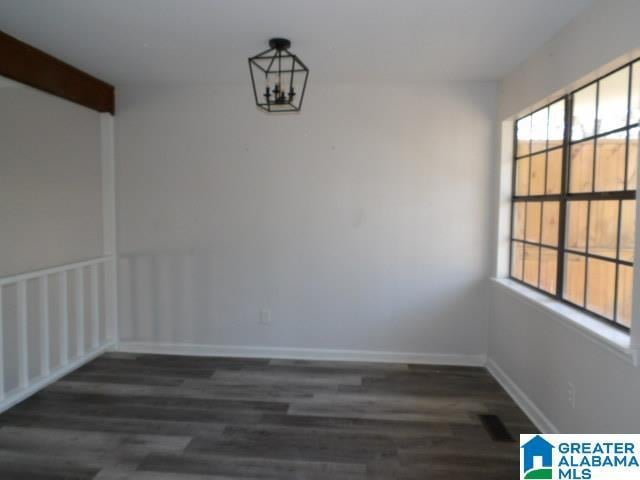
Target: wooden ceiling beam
(31,66)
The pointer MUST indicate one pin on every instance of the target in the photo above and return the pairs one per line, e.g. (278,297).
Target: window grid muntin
(540,198)
(564,196)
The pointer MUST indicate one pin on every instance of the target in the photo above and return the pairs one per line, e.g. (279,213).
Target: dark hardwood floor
(151,417)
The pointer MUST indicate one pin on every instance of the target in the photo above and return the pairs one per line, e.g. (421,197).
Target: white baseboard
(302,353)
(16,396)
(527,405)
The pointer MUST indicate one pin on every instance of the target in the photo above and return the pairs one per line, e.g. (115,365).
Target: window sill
(613,339)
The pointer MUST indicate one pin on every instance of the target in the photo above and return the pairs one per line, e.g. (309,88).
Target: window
(574,190)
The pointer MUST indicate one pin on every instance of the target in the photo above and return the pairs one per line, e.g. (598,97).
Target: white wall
(50,212)
(359,223)
(538,353)
(542,354)
(50,184)
(599,35)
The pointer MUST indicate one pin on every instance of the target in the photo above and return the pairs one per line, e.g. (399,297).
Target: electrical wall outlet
(265,317)
(571,390)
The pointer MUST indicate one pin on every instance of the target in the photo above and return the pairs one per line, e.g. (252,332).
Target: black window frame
(565,196)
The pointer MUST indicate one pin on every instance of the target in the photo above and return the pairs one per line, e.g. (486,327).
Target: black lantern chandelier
(279,78)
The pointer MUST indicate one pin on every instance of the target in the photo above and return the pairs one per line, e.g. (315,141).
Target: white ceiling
(205,41)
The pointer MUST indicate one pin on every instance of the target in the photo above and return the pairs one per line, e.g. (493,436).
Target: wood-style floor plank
(154,417)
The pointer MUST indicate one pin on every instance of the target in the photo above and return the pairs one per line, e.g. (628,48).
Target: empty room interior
(315,239)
